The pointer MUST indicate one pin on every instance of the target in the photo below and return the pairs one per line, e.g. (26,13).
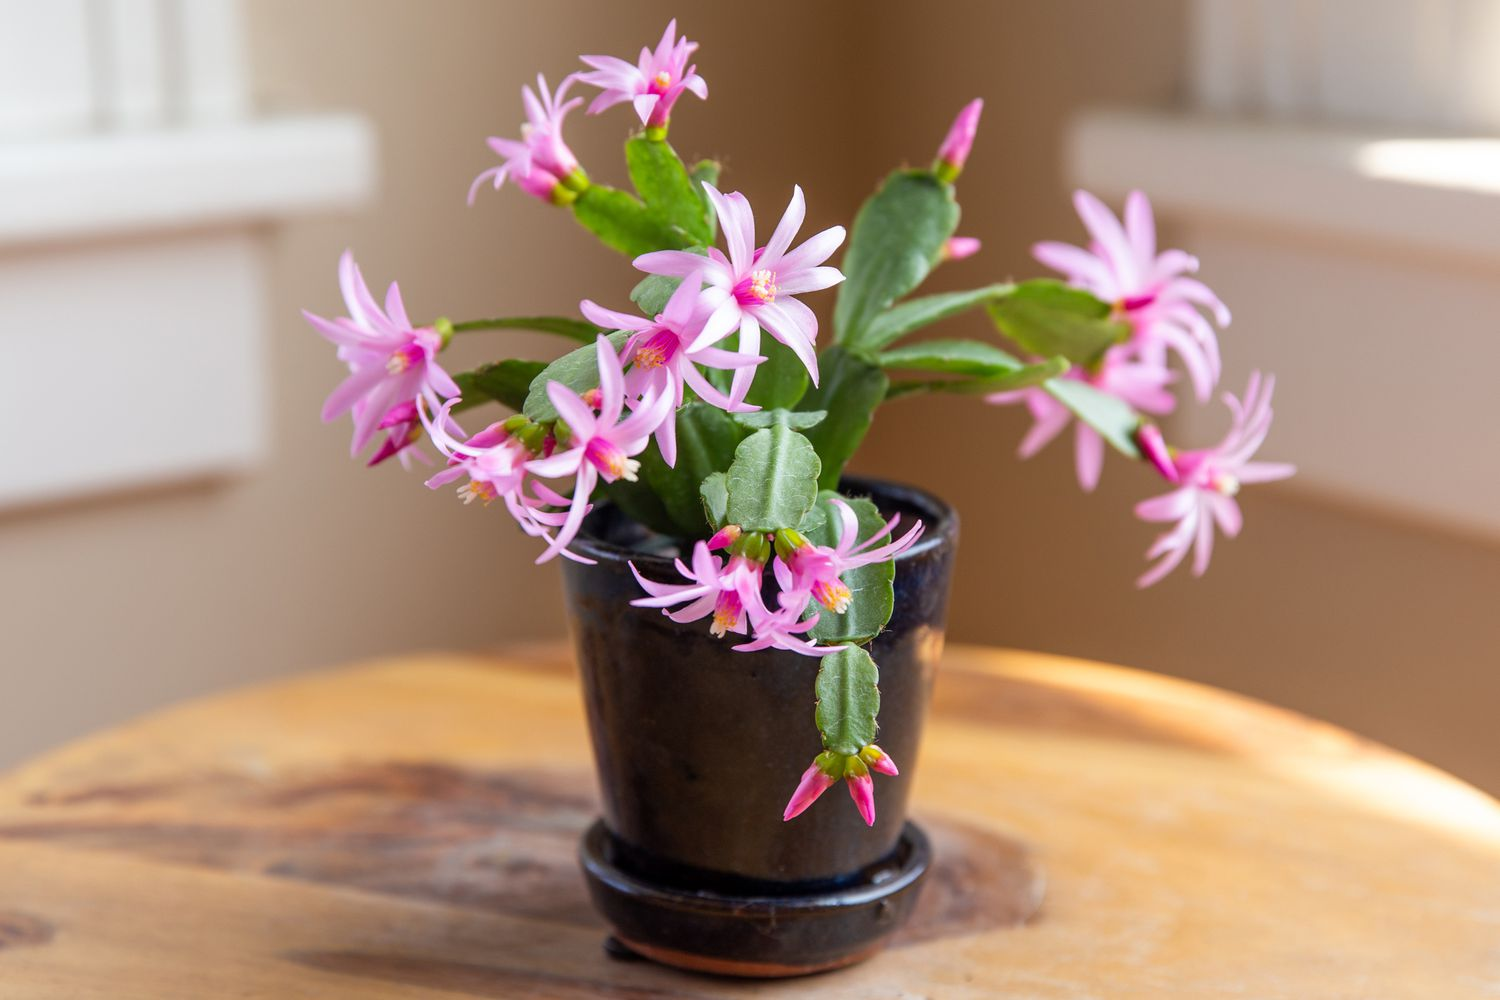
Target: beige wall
(111,607)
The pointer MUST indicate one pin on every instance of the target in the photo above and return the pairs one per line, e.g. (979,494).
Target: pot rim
(939,516)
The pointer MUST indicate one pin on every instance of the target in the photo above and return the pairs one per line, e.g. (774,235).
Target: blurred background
(177,179)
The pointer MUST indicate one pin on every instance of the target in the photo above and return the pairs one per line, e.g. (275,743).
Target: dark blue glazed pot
(699,747)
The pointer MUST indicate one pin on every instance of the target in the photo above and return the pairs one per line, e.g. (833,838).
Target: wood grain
(407,829)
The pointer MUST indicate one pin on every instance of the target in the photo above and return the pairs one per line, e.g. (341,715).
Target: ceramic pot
(699,747)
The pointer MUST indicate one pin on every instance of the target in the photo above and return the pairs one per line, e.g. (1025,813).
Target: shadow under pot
(699,747)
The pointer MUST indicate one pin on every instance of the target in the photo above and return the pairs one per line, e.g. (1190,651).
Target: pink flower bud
(401,413)
(541,184)
(954,151)
(396,442)
(861,789)
(814,783)
(879,760)
(959,247)
(1155,450)
(724,537)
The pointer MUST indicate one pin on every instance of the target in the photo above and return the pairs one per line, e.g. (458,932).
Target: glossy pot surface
(699,747)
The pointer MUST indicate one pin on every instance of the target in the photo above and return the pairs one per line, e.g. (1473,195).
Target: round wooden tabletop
(407,828)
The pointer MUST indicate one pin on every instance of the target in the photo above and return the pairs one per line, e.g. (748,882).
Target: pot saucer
(764,929)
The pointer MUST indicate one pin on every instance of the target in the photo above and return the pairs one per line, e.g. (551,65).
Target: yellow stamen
(763,284)
(834,596)
(723,622)
(472,491)
(662,80)
(649,357)
(617,466)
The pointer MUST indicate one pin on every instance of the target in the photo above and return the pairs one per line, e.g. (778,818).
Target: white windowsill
(124,318)
(1429,193)
(112,183)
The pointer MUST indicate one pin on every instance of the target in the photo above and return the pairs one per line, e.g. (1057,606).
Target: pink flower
(783,628)
(828,767)
(391,364)
(662,360)
(494,461)
(541,164)
(1141,384)
(726,591)
(816,569)
(1209,480)
(731,592)
(601,444)
(960,247)
(701,595)
(954,151)
(739,595)
(403,430)
(1151,292)
(652,85)
(755,287)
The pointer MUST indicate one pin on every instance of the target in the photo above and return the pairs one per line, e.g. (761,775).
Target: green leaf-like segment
(773,480)
(796,420)
(871,587)
(914,314)
(706,442)
(1111,416)
(897,239)
(988,378)
(850,390)
(848,700)
(715,496)
(780,380)
(622,222)
(506,382)
(578,370)
(651,293)
(1047,318)
(668,191)
(957,357)
(640,504)
(562,326)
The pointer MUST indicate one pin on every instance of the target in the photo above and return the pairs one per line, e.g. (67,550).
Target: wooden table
(407,829)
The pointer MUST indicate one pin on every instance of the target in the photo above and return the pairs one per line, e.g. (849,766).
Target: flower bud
(960,247)
(1155,450)
(878,760)
(788,541)
(815,781)
(724,537)
(861,788)
(536,439)
(576,180)
(954,151)
(752,545)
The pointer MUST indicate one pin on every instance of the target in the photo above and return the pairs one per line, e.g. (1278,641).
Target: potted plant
(743,611)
